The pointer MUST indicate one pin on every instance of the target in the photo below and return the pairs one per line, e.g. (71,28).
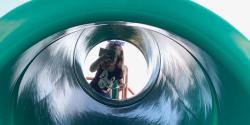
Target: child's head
(116,47)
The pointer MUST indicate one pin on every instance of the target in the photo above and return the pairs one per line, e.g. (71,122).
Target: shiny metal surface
(183,87)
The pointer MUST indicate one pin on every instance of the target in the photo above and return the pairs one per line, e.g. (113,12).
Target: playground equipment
(198,64)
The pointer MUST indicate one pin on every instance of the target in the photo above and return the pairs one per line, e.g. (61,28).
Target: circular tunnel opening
(140,53)
(134,70)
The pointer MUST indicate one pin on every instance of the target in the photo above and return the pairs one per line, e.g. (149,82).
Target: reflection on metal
(52,89)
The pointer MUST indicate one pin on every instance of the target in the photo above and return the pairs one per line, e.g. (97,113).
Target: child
(109,67)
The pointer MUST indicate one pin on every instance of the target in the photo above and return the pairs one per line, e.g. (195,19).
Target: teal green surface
(230,50)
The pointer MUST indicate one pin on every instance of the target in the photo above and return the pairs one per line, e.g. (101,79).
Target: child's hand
(121,84)
(103,60)
(106,59)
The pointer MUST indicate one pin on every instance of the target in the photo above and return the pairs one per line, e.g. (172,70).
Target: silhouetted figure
(109,68)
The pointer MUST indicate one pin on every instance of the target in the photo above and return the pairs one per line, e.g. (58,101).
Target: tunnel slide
(198,64)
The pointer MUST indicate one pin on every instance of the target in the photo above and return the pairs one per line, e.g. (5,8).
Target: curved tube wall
(198,76)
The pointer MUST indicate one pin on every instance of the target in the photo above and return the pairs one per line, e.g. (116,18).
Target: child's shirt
(104,79)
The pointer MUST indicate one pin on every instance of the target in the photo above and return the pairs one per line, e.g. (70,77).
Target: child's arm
(124,77)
